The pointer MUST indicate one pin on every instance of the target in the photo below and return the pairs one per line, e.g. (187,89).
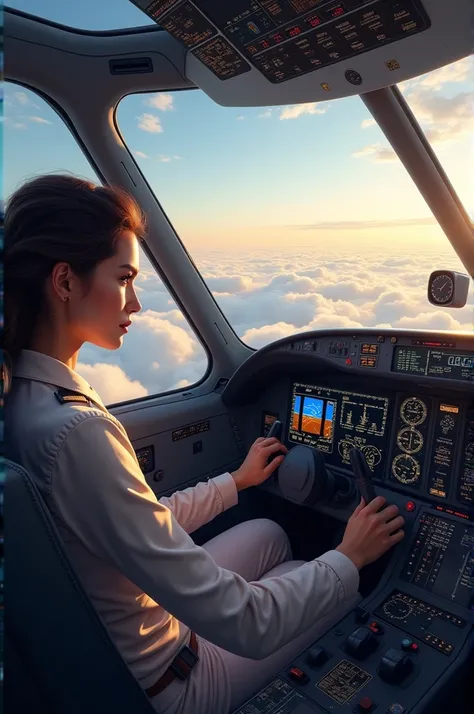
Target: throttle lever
(275,430)
(363,475)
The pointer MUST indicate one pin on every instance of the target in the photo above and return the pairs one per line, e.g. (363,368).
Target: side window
(161,352)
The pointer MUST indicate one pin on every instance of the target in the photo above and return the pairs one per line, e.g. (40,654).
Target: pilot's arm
(103,497)
(196,506)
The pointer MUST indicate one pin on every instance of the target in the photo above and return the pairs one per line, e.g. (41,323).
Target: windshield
(299,217)
(86,14)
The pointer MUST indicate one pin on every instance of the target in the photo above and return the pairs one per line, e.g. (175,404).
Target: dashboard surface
(405,399)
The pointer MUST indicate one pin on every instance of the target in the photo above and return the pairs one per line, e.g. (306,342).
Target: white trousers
(221,681)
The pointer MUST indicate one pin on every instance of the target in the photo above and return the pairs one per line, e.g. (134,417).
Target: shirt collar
(43,368)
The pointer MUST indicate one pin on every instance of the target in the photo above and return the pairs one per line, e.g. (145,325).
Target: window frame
(62,114)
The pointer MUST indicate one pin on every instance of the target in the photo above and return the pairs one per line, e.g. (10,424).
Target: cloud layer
(266,298)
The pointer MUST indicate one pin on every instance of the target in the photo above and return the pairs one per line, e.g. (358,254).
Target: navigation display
(450,364)
(441,559)
(288,38)
(334,421)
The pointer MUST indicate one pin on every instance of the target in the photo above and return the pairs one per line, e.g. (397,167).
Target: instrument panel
(413,417)
(413,442)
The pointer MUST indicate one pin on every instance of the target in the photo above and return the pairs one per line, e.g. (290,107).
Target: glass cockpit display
(334,421)
(434,362)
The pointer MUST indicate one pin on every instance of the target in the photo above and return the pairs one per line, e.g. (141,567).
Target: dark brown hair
(51,219)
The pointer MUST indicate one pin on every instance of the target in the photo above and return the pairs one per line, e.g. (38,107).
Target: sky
(298,217)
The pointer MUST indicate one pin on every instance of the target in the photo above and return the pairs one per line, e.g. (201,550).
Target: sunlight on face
(111,299)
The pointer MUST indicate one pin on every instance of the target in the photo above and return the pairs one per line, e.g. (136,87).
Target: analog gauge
(344,448)
(372,455)
(397,609)
(442,289)
(413,411)
(406,469)
(409,440)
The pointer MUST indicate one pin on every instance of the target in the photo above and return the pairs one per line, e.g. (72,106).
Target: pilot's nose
(134,304)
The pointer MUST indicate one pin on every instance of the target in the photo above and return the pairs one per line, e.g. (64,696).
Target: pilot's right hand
(370,532)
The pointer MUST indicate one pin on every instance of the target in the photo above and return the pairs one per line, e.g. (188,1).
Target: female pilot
(71,257)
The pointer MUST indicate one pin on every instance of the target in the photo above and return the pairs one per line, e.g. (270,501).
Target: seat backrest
(50,622)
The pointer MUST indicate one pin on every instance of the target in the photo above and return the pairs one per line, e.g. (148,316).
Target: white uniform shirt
(144,574)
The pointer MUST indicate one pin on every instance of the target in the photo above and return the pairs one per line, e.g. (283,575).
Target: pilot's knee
(273,533)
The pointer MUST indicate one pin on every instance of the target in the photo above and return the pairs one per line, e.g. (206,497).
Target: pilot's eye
(126,278)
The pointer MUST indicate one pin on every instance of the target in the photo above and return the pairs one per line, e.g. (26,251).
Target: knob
(394,666)
(317,656)
(361,643)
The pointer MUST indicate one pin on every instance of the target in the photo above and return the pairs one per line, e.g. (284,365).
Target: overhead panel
(238,49)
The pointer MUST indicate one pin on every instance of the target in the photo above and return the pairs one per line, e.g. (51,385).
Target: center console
(394,652)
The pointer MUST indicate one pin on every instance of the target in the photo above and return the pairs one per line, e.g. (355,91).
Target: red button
(410,506)
(365,704)
(348,360)
(298,674)
(414,647)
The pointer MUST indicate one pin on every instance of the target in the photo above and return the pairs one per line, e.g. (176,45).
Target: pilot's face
(104,312)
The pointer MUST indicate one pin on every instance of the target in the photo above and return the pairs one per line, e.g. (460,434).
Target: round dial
(372,455)
(344,448)
(406,469)
(442,289)
(413,411)
(409,440)
(397,609)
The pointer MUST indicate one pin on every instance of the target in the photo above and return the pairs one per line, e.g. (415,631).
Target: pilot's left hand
(256,468)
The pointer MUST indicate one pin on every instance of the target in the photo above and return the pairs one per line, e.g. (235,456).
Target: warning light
(293,31)
(338,11)
(410,506)
(348,360)
(313,21)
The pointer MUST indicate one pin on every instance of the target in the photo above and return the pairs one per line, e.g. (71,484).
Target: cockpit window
(299,217)
(86,14)
(443,103)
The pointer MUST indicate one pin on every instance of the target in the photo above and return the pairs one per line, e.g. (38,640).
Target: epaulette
(65,396)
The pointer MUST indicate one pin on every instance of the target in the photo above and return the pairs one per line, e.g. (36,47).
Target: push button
(376,628)
(396,708)
(298,675)
(406,644)
(365,705)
